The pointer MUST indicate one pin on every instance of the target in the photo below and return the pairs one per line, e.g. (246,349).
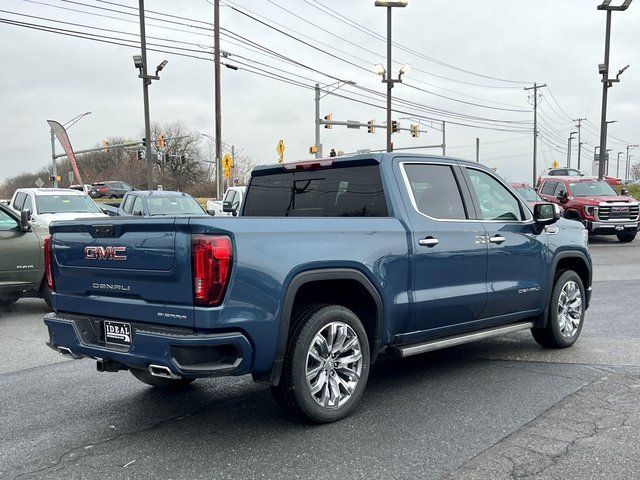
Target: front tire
(566,313)
(169,383)
(326,366)
(627,237)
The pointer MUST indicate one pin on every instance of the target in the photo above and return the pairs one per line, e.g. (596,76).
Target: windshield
(529,194)
(591,189)
(174,206)
(65,204)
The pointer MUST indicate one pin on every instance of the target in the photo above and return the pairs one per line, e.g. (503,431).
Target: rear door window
(128,203)
(435,191)
(341,191)
(7,222)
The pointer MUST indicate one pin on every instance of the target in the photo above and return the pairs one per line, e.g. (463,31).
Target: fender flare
(272,376)
(552,272)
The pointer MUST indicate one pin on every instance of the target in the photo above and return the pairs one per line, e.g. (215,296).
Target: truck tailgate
(138,268)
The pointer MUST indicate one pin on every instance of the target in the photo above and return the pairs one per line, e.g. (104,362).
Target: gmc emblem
(105,253)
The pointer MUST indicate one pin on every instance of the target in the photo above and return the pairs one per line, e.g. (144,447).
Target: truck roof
(159,193)
(376,157)
(51,191)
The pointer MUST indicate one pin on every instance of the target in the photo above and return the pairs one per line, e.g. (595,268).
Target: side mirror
(228,207)
(562,196)
(624,192)
(546,213)
(25,218)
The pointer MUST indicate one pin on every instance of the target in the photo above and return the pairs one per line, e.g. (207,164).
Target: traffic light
(313,149)
(105,145)
(371,126)
(328,119)
(332,153)
(415,130)
(140,154)
(394,126)
(160,143)
(144,142)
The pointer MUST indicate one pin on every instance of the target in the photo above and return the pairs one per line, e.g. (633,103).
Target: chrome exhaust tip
(67,353)
(163,372)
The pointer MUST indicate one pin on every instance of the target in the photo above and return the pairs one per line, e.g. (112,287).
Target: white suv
(49,204)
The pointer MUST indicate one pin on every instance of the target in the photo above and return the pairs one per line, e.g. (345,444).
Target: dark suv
(110,189)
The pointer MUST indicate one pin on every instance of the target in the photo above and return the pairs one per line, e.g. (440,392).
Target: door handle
(428,242)
(497,239)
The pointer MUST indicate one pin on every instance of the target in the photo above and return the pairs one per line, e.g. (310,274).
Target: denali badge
(111,286)
(104,253)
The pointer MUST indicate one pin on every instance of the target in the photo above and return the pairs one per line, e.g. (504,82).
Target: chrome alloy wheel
(569,309)
(334,365)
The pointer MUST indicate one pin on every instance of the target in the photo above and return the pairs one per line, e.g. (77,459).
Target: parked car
(329,263)
(155,203)
(49,204)
(573,173)
(233,198)
(110,189)
(594,203)
(22,260)
(86,188)
(528,193)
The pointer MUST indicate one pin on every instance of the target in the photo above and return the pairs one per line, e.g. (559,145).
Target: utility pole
(444,139)
(145,96)
(535,128)
(579,127)
(477,150)
(218,135)
(233,167)
(607,82)
(317,123)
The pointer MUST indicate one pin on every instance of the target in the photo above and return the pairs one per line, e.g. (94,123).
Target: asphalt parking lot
(501,408)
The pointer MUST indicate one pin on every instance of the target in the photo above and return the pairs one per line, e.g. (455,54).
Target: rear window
(350,191)
(173,206)
(65,204)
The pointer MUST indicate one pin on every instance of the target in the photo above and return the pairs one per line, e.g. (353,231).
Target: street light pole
(569,148)
(628,164)
(607,82)
(618,165)
(145,95)
(389,4)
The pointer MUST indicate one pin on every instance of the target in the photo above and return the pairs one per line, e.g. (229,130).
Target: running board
(431,345)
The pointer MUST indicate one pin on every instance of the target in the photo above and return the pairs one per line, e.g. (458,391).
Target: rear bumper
(185,353)
(612,228)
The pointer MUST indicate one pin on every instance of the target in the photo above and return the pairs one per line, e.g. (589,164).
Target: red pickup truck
(595,204)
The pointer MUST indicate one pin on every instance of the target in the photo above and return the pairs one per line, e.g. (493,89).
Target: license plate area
(619,228)
(117,333)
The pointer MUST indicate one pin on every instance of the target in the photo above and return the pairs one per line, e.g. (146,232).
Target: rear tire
(627,237)
(169,383)
(566,313)
(326,365)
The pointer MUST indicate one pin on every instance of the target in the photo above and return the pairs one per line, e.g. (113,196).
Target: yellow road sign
(555,164)
(280,149)
(227,161)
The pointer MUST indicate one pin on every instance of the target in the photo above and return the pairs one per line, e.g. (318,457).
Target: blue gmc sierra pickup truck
(329,263)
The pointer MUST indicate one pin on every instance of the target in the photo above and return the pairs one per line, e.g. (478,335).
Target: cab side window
(495,200)
(560,189)
(128,203)
(28,204)
(7,222)
(435,191)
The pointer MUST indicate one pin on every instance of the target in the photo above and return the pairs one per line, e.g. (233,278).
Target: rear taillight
(103,189)
(48,273)
(211,258)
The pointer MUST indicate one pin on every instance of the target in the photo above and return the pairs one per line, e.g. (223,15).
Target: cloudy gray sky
(49,76)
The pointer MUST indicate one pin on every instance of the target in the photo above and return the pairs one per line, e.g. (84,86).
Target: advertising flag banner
(63,138)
